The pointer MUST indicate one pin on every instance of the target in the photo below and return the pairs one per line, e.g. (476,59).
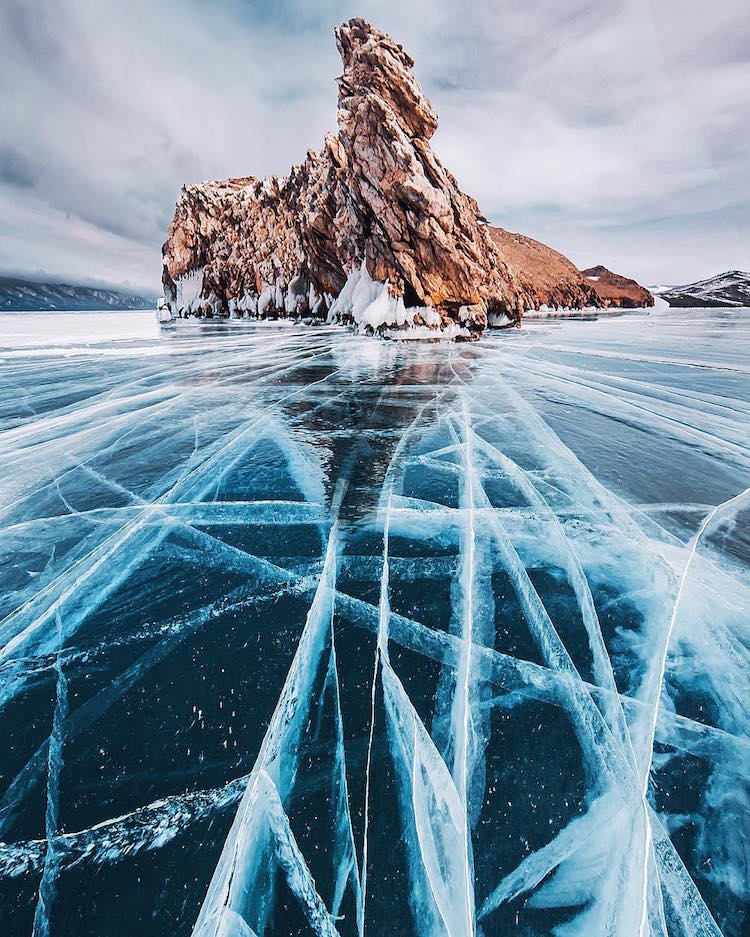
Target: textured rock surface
(616,290)
(375,194)
(548,278)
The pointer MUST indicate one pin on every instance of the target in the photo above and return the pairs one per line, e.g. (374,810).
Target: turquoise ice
(303,632)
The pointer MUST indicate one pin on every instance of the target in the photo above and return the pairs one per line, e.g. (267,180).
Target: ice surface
(304,632)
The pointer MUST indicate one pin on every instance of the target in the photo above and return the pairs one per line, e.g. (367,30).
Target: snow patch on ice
(498,320)
(566,312)
(451,332)
(163,312)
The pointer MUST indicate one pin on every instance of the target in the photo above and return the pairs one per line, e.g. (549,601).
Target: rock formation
(616,290)
(548,278)
(371,229)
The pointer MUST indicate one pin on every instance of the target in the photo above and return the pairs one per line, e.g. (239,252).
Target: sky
(616,131)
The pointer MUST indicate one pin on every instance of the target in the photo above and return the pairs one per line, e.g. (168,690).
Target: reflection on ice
(307,633)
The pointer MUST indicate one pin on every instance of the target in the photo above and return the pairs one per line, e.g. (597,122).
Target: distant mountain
(18,295)
(729,289)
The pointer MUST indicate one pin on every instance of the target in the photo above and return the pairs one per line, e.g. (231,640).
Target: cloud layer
(618,132)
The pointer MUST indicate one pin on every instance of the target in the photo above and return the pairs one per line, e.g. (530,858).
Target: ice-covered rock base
(367,304)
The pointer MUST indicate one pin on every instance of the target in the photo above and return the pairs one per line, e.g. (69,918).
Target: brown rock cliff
(375,196)
(616,290)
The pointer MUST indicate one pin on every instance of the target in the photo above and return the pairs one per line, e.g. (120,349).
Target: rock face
(371,229)
(548,278)
(616,290)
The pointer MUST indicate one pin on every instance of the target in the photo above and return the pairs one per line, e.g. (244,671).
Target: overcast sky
(617,131)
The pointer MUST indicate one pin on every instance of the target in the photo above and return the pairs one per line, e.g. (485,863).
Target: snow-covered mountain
(19,295)
(727,289)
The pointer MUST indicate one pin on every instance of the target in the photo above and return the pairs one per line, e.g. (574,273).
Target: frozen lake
(309,633)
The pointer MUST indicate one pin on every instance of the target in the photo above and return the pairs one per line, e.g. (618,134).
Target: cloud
(618,132)
(15,169)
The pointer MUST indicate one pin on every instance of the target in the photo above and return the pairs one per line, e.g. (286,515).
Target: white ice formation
(363,302)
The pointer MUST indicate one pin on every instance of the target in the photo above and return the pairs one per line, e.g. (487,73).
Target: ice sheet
(304,632)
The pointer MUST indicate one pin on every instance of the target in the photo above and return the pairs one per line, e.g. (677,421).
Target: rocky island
(371,230)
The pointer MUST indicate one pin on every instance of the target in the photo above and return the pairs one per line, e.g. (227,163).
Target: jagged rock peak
(371,230)
(376,65)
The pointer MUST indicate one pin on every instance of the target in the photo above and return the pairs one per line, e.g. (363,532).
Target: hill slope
(616,290)
(19,295)
(727,289)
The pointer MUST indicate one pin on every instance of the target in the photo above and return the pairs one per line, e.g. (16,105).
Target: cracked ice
(308,633)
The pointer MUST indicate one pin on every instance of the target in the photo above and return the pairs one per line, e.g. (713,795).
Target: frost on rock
(307,633)
(370,305)
(188,289)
